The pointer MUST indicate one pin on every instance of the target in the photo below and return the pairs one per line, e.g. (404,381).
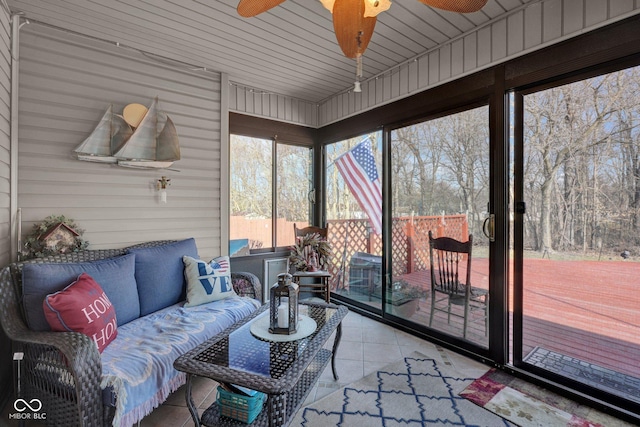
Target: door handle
(489,227)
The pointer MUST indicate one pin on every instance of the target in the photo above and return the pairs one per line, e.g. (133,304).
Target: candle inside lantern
(283,316)
(283,306)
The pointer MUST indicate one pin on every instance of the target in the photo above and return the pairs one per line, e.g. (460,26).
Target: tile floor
(366,345)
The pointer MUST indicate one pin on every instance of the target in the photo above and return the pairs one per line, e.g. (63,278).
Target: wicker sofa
(74,381)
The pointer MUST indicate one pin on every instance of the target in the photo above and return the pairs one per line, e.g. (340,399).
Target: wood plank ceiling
(290,50)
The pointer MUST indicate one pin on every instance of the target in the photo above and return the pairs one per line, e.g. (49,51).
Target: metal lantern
(283,306)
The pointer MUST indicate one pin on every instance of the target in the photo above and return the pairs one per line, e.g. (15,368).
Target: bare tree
(293,173)
(442,166)
(251,183)
(576,138)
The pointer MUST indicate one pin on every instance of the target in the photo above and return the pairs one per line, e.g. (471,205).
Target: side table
(321,284)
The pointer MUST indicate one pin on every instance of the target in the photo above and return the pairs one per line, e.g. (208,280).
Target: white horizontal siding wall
(255,102)
(5,137)
(66,84)
(531,28)
(6,363)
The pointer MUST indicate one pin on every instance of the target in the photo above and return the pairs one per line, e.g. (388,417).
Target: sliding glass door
(440,186)
(438,173)
(577,234)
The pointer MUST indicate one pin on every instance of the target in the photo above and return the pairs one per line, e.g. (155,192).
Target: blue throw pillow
(207,281)
(114,275)
(160,274)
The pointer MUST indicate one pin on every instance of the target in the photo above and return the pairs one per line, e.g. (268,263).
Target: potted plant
(403,298)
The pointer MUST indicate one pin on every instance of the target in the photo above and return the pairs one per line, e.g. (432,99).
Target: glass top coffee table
(285,371)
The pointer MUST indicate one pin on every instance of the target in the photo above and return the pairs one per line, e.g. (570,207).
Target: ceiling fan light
(373,7)
(356,87)
(355,20)
(328,4)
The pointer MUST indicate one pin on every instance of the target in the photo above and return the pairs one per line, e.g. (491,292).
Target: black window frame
(279,133)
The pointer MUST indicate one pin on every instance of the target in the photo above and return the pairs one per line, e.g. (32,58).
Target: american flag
(220,264)
(358,168)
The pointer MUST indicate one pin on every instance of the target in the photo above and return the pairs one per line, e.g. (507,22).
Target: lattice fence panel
(454,226)
(409,242)
(346,238)
(399,246)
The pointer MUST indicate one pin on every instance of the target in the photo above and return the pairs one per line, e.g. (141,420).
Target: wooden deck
(586,309)
(589,310)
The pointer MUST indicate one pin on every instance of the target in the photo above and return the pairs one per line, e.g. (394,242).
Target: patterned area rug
(416,391)
(528,405)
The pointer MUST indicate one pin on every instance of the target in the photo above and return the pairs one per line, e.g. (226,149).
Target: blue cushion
(160,274)
(115,276)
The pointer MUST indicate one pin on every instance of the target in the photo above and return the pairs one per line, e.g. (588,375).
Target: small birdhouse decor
(54,235)
(59,238)
(283,306)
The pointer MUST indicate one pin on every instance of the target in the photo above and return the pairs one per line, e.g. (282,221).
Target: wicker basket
(240,407)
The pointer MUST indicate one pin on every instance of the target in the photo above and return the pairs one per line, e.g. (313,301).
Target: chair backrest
(301,232)
(446,256)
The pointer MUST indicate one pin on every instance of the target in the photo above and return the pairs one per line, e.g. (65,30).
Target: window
(265,200)
(354,216)
(294,182)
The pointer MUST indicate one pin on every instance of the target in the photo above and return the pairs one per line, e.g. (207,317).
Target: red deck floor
(589,310)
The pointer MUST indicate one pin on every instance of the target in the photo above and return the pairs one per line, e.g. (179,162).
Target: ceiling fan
(354,20)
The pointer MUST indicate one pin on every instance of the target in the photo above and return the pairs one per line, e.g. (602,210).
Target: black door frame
(476,91)
(579,391)
(611,47)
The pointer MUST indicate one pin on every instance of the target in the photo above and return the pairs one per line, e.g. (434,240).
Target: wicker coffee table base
(294,367)
(278,408)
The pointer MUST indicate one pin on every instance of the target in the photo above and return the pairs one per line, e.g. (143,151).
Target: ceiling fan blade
(249,8)
(352,29)
(460,6)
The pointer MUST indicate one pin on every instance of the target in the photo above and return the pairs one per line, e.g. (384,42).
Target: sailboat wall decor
(108,137)
(154,143)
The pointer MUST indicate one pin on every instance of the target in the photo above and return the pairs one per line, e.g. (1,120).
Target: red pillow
(82,307)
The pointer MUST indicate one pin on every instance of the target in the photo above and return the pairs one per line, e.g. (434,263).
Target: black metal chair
(450,262)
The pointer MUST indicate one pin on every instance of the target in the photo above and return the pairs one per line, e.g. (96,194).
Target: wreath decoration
(36,247)
(305,246)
